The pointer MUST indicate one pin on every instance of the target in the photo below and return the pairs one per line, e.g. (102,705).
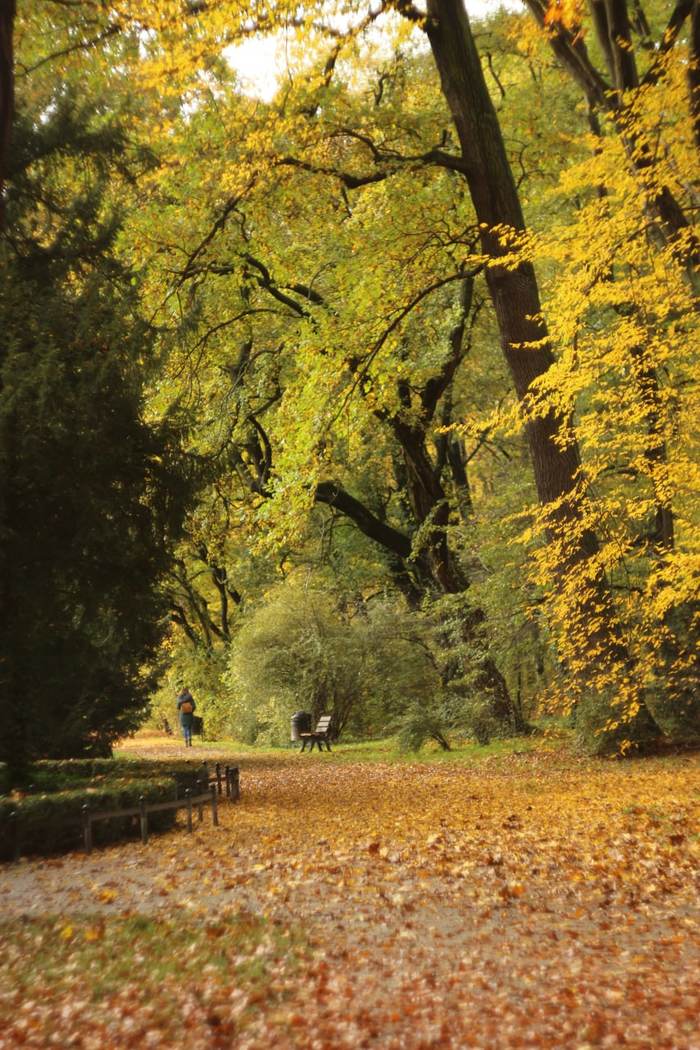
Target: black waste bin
(301,723)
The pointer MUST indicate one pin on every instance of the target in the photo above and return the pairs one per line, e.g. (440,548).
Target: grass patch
(465,752)
(138,966)
(109,953)
(386,749)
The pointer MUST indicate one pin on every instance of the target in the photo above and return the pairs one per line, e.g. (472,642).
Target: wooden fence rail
(144,808)
(228,779)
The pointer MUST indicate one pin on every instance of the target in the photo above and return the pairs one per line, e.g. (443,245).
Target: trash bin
(301,723)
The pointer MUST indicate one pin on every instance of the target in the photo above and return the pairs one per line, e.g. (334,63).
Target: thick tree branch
(229,207)
(265,465)
(572,53)
(352,182)
(264,279)
(331,494)
(361,372)
(81,45)
(179,616)
(668,40)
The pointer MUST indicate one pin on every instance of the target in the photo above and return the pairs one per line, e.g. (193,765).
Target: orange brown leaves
(527,901)
(565,13)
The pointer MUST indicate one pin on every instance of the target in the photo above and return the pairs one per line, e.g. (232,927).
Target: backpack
(187,707)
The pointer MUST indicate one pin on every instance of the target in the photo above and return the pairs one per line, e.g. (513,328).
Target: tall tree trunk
(514,292)
(694,71)
(516,301)
(7,94)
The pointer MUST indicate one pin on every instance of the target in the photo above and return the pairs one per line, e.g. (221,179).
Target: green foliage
(301,273)
(201,670)
(53,775)
(453,711)
(604,728)
(155,954)
(90,496)
(422,721)
(301,651)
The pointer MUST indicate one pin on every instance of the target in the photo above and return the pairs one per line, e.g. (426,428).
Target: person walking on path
(185,709)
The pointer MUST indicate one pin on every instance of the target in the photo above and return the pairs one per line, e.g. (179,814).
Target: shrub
(419,723)
(434,718)
(49,823)
(50,818)
(201,671)
(304,649)
(123,767)
(603,727)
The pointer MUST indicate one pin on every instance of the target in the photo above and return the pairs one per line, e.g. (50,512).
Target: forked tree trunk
(430,504)
(612,27)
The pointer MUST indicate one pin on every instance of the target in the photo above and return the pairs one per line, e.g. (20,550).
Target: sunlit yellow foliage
(622,311)
(245,196)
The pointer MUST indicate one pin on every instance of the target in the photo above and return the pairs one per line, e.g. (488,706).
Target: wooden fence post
(218,777)
(235,783)
(87,829)
(144,819)
(14,835)
(214,809)
(188,795)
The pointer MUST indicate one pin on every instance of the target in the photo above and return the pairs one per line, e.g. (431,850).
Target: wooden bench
(320,734)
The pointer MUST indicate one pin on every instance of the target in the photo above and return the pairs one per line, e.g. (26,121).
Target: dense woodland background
(378,398)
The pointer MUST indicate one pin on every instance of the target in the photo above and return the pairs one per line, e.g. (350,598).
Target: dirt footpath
(527,902)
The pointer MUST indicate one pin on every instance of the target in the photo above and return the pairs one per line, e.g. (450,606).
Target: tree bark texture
(694,71)
(7,95)
(514,292)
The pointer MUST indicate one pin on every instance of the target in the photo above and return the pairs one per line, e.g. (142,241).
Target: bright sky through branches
(262,61)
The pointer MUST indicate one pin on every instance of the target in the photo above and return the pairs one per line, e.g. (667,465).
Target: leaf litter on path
(535,901)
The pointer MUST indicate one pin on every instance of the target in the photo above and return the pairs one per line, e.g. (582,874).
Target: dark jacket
(186,717)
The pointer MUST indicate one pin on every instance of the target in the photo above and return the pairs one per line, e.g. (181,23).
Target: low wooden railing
(227,778)
(224,779)
(144,808)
